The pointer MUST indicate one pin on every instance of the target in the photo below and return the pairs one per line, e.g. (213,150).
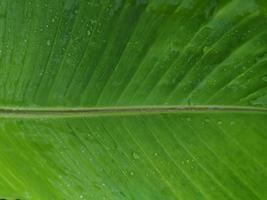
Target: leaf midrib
(96,111)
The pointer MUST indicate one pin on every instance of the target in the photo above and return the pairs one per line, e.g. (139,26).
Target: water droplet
(187,161)
(131,173)
(262,100)
(156,154)
(48,42)
(261,56)
(88,33)
(81,196)
(189,102)
(205,49)
(264,78)
(136,156)
(207,120)
(219,122)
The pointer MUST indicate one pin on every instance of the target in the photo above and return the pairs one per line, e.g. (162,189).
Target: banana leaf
(133,99)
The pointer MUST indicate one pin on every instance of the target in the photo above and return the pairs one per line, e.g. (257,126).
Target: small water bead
(232,122)
(205,49)
(136,156)
(262,100)
(207,120)
(83,150)
(264,78)
(219,122)
(189,101)
(48,42)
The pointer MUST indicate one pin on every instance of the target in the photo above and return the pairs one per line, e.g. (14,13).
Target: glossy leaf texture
(70,57)
(81,53)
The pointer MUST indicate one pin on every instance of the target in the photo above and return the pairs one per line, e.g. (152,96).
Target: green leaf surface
(133,99)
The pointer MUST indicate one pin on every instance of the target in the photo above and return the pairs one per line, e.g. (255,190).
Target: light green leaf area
(133,99)
(164,156)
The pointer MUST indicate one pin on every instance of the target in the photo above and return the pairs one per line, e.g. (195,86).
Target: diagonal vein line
(213,178)
(223,161)
(200,28)
(236,78)
(198,63)
(195,186)
(125,48)
(108,153)
(6,43)
(222,64)
(84,52)
(79,7)
(163,178)
(59,24)
(25,54)
(141,63)
(95,157)
(104,50)
(134,166)
(247,96)
(242,148)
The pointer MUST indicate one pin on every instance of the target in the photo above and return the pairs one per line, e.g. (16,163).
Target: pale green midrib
(95,111)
